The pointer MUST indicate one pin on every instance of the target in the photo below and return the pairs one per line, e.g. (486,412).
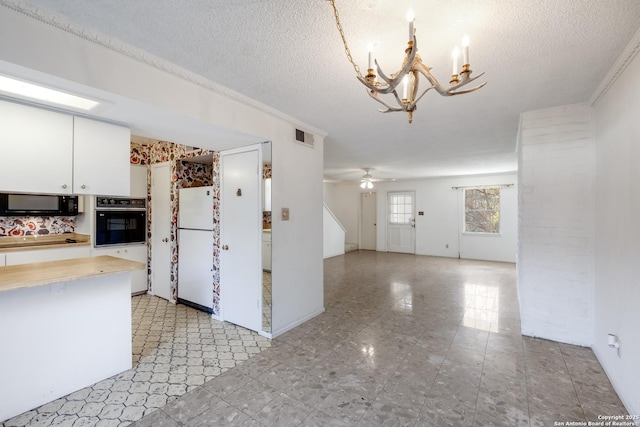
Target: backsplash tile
(40,225)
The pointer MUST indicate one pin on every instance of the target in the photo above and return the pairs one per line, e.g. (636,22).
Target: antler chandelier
(409,74)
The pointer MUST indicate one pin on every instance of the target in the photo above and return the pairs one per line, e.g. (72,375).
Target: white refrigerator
(195,247)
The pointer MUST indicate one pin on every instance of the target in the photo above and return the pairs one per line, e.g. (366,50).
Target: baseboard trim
(298,322)
(630,409)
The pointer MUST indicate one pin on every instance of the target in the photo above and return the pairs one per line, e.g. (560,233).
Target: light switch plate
(285,214)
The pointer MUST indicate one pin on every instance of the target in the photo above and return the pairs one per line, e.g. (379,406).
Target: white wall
(296,244)
(555,250)
(441,224)
(617,233)
(297,169)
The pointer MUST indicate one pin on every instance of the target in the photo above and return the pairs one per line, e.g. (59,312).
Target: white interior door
(368,221)
(161,230)
(241,238)
(401,222)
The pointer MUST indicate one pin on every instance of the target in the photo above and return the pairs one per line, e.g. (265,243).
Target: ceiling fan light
(363,185)
(369,185)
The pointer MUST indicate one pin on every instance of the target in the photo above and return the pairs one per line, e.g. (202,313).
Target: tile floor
(266,301)
(176,349)
(405,340)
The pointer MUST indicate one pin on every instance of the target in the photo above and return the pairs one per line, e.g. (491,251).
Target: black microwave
(37,205)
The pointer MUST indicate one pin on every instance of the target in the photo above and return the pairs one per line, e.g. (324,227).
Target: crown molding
(623,61)
(62,23)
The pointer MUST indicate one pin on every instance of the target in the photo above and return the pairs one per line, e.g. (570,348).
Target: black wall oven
(120,221)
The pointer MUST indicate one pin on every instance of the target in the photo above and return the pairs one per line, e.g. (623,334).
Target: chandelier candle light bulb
(370,49)
(411,17)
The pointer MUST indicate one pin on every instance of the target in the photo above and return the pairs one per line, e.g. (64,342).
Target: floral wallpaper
(190,174)
(266,215)
(266,219)
(184,174)
(139,154)
(40,225)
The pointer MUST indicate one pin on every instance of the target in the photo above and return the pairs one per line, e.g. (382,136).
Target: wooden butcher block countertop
(49,241)
(45,273)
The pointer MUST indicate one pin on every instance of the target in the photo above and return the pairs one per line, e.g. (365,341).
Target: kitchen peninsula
(64,325)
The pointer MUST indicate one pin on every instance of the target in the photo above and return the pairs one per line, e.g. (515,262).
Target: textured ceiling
(288,54)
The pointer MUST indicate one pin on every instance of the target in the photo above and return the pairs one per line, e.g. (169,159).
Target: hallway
(406,340)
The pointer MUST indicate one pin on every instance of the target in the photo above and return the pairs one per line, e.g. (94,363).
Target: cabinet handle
(83,186)
(225,247)
(64,185)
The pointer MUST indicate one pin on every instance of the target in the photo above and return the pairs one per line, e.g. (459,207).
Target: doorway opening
(368,221)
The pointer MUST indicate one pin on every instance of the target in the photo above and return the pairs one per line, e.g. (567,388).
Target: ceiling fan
(367,180)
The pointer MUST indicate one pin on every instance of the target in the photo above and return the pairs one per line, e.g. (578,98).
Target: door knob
(83,186)
(225,247)
(64,185)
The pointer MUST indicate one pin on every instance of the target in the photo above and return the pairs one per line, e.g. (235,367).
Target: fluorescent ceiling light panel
(34,92)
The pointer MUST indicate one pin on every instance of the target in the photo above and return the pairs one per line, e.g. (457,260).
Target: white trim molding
(625,58)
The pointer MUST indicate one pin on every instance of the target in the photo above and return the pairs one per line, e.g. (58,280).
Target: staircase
(350,247)
(333,234)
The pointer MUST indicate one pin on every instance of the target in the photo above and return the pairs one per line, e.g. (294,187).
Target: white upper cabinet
(101,158)
(55,153)
(37,150)
(138,182)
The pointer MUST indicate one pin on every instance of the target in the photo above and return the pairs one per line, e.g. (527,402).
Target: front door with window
(401,222)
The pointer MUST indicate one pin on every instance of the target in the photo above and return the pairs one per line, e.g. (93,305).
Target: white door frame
(258,148)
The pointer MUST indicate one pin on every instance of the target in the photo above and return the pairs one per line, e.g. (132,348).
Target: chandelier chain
(344,40)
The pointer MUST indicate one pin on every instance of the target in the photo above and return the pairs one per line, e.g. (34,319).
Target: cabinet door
(37,148)
(132,253)
(42,255)
(138,181)
(100,158)
(138,277)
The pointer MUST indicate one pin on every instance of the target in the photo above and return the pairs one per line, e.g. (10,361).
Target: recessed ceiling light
(43,94)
